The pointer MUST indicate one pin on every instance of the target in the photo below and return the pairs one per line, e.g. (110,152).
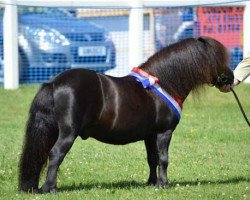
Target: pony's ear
(202,39)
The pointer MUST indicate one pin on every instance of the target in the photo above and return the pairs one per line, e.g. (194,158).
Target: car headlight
(48,38)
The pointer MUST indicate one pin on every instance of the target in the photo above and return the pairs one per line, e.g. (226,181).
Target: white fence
(135,50)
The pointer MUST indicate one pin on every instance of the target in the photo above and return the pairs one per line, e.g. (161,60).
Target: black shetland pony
(117,110)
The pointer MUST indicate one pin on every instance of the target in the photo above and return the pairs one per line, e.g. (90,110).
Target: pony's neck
(185,66)
(174,85)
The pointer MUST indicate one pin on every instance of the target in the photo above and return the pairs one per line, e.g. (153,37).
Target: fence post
(246,33)
(246,30)
(10,35)
(136,33)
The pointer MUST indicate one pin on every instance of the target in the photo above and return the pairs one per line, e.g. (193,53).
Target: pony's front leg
(163,141)
(152,157)
(56,156)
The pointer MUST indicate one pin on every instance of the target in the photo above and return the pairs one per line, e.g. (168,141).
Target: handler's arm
(242,71)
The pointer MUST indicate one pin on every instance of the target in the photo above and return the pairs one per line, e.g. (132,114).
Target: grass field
(209,154)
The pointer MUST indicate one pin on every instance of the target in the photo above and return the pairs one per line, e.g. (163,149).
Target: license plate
(92,51)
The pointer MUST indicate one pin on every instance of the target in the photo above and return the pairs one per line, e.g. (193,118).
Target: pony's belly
(118,137)
(118,140)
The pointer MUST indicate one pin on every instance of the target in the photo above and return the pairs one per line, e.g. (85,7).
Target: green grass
(209,154)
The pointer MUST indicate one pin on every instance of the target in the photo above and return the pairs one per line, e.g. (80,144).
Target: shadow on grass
(135,184)
(210,182)
(104,185)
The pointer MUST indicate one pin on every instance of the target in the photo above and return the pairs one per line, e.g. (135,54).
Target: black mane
(188,64)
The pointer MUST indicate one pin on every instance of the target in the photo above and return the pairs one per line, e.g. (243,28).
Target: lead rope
(241,109)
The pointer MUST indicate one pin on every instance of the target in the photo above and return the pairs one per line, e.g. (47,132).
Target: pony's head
(184,66)
(222,74)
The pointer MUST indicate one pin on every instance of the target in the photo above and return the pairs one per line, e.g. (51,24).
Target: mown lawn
(209,154)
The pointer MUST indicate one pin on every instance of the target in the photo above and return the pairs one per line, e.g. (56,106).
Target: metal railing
(137,11)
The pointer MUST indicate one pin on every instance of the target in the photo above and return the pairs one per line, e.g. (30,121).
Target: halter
(149,81)
(223,79)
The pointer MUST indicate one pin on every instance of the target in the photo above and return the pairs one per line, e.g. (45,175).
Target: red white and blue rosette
(149,81)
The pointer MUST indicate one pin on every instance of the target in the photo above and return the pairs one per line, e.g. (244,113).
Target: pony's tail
(41,135)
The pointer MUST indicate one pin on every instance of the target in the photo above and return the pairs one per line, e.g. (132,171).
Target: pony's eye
(224,78)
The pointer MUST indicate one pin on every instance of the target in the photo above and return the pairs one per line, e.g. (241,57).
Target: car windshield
(43,10)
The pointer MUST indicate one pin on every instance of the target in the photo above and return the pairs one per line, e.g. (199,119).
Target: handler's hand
(236,82)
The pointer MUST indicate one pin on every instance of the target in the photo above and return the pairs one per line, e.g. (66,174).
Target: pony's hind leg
(152,157)
(163,141)
(58,152)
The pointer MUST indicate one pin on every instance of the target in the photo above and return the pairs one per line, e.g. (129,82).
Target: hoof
(35,191)
(53,191)
(30,190)
(151,182)
(46,189)
(162,185)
